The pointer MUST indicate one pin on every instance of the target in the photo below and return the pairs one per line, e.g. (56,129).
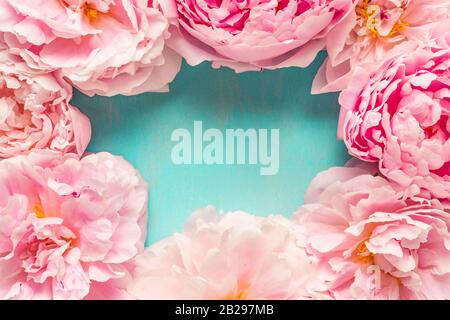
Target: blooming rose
(35,112)
(398,116)
(375,31)
(371,243)
(252,35)
(69,228)
(233,256)
(104,47)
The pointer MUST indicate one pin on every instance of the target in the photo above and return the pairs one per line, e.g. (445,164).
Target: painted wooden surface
(139,129)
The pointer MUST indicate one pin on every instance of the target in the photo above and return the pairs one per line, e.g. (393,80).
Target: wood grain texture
(139,129)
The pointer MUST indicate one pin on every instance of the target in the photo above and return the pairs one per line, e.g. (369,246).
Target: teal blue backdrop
(139,128)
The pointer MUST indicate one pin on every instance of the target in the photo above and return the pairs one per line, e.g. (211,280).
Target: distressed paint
(139,129)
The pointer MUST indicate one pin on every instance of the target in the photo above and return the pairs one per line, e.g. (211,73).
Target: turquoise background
(139,128)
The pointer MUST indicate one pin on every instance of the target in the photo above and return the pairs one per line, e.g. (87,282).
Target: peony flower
(375,31)
(252,35)
(69,228)
(35,112)
(399,117)
(234,256)
(102,47)
(372,243)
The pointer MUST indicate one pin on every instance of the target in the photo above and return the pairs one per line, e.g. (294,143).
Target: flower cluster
(73,224)
(232,256)
(378,30)
(102,47)
(253,35)
(129,47)
(35,112)
(398,116)
(370,242)
(356,237)
(69,228)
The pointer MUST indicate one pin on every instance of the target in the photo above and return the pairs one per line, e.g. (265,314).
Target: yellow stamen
(38,211)
(239,295)
(90,12)
(369,14)
(398,27)
(362,254)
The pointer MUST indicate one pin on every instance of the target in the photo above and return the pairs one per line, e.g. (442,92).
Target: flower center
(239,295)
(38,211)
(362,254)
(381,21)
(90,12)
(240,292)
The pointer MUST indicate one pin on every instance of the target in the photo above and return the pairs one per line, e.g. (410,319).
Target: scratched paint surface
(139,129)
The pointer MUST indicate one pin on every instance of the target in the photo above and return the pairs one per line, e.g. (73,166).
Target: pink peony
(103,47)
(252,35)
(375,31)
(69,228)
(399,117)
(235,256)
(371,243)
(35,112)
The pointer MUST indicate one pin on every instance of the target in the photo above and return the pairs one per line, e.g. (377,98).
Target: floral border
(73,226)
